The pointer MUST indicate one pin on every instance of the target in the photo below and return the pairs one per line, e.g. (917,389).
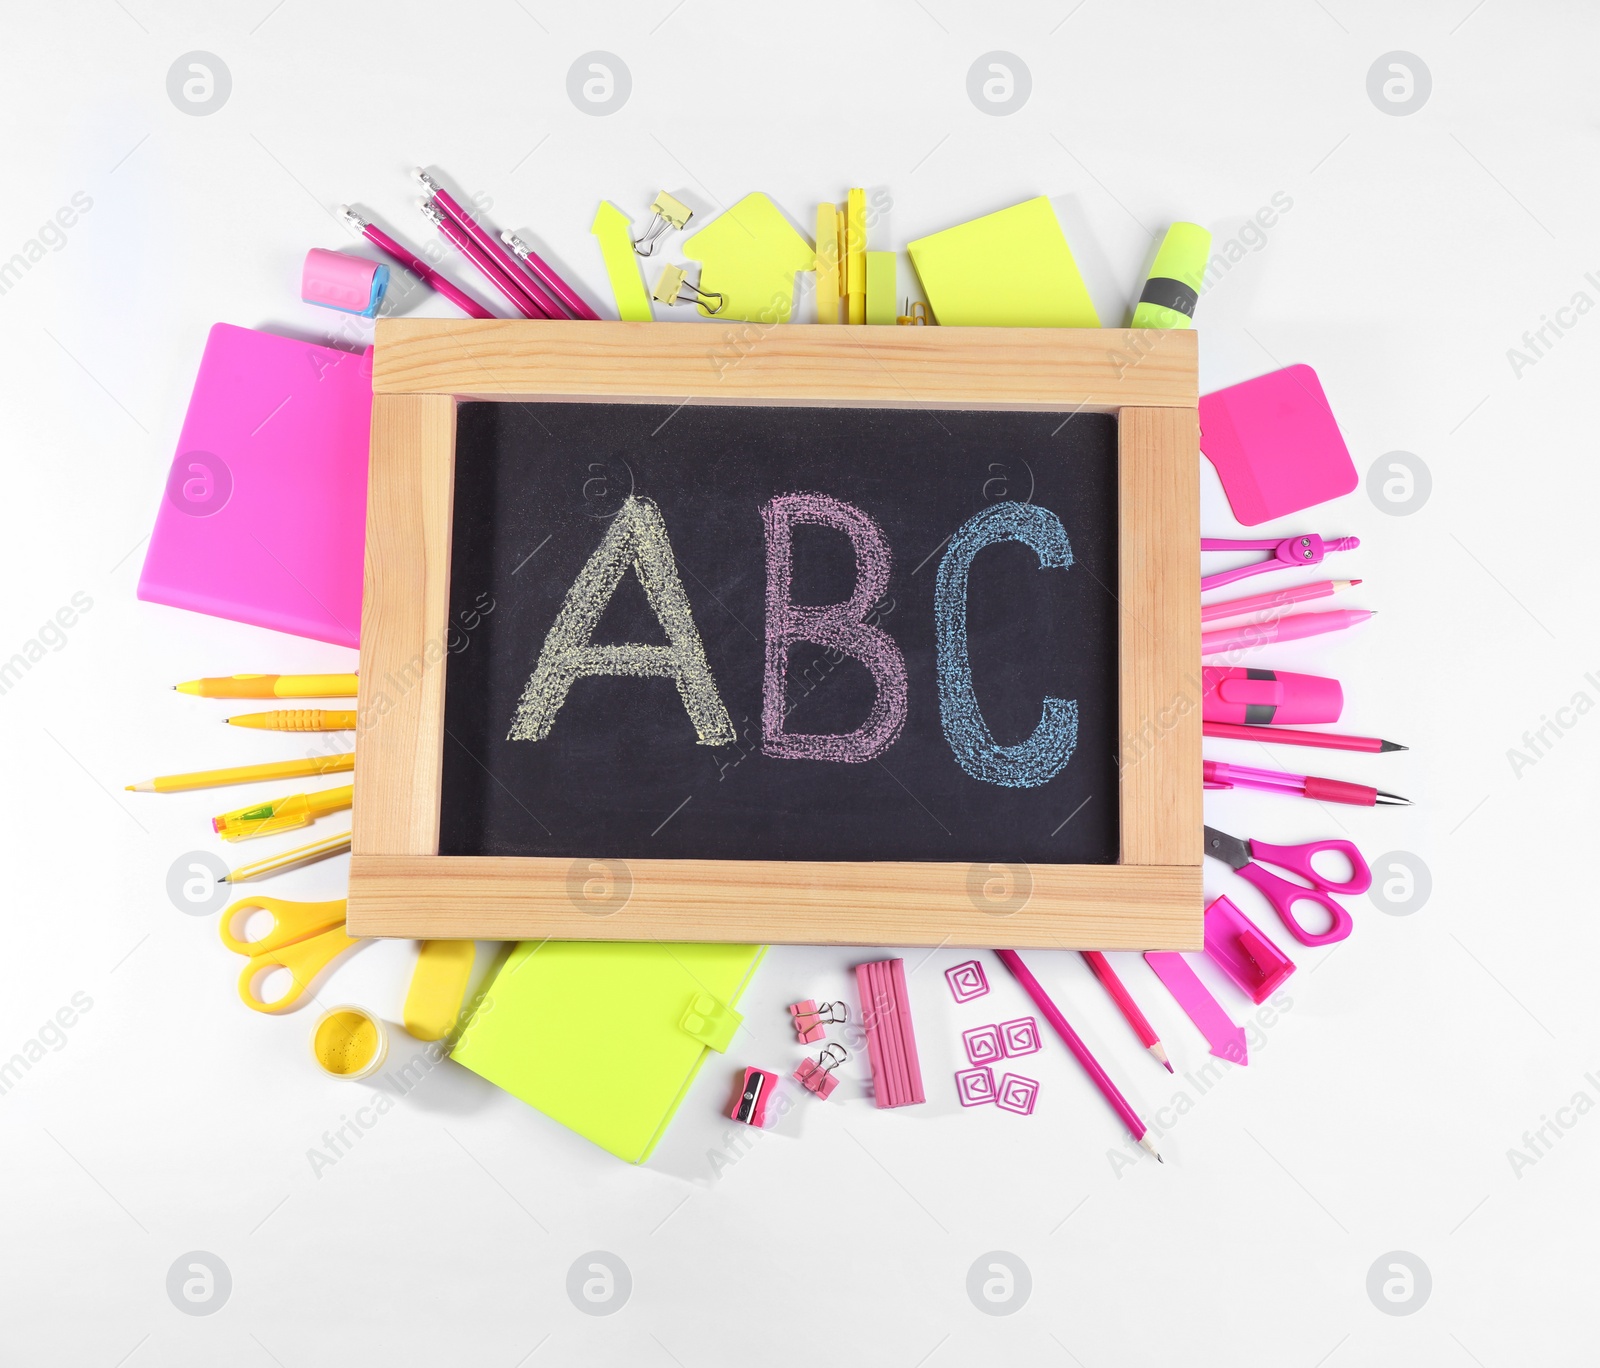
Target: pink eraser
(1239,947)
(338,281)
(1276,445)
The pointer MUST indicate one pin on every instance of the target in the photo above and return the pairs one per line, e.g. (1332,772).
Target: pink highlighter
(1263,697)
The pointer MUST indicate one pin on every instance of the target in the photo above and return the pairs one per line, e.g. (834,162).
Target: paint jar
(349,1042)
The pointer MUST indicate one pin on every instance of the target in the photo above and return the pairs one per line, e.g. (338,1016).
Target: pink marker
(1294,628)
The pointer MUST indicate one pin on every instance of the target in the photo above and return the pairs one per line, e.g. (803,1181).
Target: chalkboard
(621,769)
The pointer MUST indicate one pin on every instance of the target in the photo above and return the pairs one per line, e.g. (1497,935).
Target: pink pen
(424,272)
(1293,628)
(473,253)
(569,297)
(1091,1065)
(1218,775)
(543,305)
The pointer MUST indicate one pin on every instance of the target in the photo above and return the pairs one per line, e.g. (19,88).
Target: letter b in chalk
(1044,754)
(839,626)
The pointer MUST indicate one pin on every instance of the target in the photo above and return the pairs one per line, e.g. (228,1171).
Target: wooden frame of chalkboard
(401,886)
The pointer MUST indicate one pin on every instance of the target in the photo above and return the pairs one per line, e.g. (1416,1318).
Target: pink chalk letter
(842,628)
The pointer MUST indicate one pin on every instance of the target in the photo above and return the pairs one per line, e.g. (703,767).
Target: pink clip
(817,1075)
(1017,1094)
(756,1088)
(809,1019)
(1020,1037)
(967,981)
(974,1087)
(1238,947)
(984,1045)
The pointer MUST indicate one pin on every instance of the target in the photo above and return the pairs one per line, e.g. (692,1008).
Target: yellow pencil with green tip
(289,859)
(248,774)
(271,686)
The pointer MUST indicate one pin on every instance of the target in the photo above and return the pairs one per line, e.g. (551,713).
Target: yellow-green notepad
(605,1037)
(1009,269)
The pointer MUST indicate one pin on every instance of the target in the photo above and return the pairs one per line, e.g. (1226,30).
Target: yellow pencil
(248,774)
(289,859)
(281,814)
(295,720)
(271,686)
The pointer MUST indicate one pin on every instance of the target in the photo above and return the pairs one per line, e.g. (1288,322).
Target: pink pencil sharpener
(351,284)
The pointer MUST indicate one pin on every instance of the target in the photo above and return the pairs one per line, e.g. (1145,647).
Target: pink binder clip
(756,1090)
(1239,947)
(809,1019)
(817,1075)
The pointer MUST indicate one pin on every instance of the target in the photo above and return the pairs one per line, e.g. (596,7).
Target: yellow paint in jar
(349,1042)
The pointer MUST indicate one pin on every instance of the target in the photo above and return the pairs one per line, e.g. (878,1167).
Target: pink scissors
(1246,858)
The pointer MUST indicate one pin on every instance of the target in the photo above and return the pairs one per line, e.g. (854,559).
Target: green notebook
(606,1036)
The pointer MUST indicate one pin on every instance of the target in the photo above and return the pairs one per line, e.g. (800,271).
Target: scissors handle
(1297,860)
(1284,896)
(304,959)
(291,921)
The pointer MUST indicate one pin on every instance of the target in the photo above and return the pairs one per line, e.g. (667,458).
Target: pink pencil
(505,263)
(474,254)
(424,272)
(1293,628)
(1127,1006)
(1270,603)
(574,302)
(1091,1065)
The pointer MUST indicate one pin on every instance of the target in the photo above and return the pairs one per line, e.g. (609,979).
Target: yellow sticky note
(1008,269)
(750,255)
(615,234)
(827,264)
(880,287)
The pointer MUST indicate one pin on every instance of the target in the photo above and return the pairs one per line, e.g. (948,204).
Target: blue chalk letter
(1044,754)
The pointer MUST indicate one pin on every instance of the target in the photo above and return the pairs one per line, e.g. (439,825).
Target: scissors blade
(1229,849)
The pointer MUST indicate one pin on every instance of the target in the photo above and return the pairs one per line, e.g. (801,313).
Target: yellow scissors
(305,939)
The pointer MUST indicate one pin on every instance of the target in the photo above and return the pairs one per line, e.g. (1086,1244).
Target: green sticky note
(615,234)
(592,1033)
(750,255)
(1008,269)
(881,287)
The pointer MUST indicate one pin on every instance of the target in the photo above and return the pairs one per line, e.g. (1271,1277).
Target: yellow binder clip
(674,288)
(665,213)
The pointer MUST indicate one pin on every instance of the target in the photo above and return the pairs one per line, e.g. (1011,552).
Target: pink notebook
(264,515)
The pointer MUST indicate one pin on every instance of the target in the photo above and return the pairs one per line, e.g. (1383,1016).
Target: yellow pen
(248,774)
(271,686)
(281,814)
(295,720)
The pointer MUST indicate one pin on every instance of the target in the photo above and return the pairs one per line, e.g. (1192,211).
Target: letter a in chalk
(1044,754)
(637,538)
(838,626)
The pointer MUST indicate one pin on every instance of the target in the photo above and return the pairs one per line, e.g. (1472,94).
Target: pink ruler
(1226,1040)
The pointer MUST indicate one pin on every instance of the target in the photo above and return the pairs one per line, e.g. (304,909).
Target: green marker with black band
(1173,289)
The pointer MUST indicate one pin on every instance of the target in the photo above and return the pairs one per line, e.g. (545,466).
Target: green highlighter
(606,1036)
(1173,289)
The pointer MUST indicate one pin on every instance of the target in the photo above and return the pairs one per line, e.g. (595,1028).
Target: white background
(1376,1114)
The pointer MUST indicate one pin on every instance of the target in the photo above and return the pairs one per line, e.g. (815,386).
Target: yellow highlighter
(271,686)
(281,814)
